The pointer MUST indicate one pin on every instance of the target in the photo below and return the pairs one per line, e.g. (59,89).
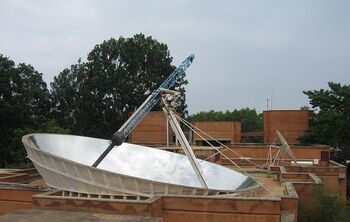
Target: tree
(331,123)
(24,103)
(95,97)
(327,206)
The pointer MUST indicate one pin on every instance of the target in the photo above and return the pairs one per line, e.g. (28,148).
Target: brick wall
(291,123)
(220,130)
(151,130)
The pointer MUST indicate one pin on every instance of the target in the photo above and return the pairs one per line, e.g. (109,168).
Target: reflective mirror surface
(141,162)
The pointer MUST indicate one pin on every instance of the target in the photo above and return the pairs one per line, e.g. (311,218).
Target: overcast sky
(246,51)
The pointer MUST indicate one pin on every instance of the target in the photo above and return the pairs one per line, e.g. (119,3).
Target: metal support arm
(171,116)
(119,136)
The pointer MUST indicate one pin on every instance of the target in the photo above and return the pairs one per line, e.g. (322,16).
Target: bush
(328,207)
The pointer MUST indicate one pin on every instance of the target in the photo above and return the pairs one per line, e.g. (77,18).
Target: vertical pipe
(167,131)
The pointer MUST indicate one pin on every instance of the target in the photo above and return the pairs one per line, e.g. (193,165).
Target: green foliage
(49,126)
(249,118)
(23,93)
(331,124)
(328,207)
(304,108)
(94,98)
(24,107)
(251,121)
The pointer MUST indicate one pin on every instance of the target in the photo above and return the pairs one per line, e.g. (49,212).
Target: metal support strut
(119,136)
(168,105)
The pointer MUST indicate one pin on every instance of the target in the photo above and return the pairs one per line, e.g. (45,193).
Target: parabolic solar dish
(64,161)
